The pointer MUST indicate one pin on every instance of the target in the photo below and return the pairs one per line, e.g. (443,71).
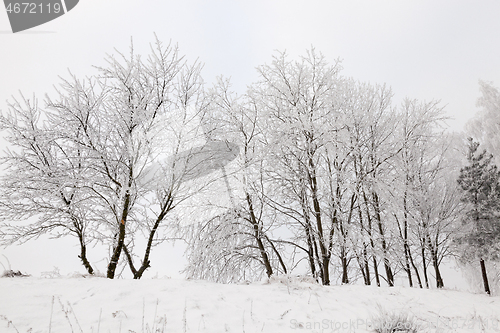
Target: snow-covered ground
(282,305)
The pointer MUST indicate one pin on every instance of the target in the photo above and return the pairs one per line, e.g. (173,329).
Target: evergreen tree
(480,182)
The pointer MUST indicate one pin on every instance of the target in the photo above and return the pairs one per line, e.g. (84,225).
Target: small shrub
(10,273)
(292,279)
(394,322)
(53,274)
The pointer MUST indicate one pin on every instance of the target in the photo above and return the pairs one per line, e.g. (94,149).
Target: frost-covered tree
(222,249)
(297,99)
(44,181)
(436,207)
(113,154)
(379,148)
(425,204)
(236,244)
(366,146)
(480,182)
(485,125)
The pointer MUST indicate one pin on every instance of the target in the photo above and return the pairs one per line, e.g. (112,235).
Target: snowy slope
(101,305)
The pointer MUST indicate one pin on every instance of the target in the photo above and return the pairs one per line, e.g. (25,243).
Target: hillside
(282,305)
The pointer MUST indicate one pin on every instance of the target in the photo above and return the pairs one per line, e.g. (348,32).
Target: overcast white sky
(422,49)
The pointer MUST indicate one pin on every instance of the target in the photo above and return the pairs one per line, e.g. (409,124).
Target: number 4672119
(33,8)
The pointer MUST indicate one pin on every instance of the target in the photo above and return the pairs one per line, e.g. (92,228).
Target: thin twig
(51,310)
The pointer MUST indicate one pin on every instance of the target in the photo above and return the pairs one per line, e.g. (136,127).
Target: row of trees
(332,178)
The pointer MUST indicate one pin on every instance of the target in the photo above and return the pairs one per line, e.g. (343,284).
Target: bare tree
(485,125)
(237,120)
(425,203)
(44,182)
(298,99)
(122,138)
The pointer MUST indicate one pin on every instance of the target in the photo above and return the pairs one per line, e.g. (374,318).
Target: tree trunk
(129,259)
(485,277)
(121,238)
(326,270)
(388,270)
(345,263)
(83,255)
(146,263)
(406,247)
(344,247)
(258,237)
(375,268)
(405,236)
(439,279)
(81,238)
(309,236)
(325,255)
(424,264)
(365,268)
(278,255)
(372,243)
(310,252)
(408,273)
(317,259)
(361,264)
(435,263)
(416,270)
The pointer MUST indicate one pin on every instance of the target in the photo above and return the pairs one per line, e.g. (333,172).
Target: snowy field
(282,305)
